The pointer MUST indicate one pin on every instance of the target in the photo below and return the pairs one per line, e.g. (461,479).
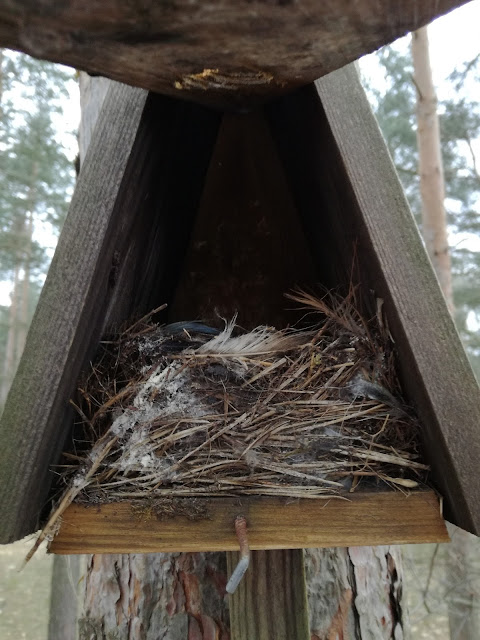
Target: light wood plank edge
(273,523)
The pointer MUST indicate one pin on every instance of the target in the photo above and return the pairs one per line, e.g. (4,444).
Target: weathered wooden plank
(352,202)
(271,600)
(118,238)
(221,52)
(273,523)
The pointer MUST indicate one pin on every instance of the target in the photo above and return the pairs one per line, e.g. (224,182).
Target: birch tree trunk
(462,604)
(353,594)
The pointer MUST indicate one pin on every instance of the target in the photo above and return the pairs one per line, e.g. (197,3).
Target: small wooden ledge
(273,523)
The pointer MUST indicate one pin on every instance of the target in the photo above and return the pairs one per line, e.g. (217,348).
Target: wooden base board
(273,523)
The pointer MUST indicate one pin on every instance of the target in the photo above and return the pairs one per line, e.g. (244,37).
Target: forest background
(39,107)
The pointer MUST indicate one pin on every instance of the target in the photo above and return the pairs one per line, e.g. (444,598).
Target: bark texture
(356,593)
(221,52)
(178,596)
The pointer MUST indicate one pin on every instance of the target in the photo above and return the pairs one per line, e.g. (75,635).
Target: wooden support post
(271,600)
(220,52)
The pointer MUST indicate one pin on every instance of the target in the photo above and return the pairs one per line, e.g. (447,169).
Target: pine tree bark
(356,593)
(155,596)
(462,608)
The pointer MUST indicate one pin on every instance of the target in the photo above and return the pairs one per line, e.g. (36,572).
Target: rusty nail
(243,563)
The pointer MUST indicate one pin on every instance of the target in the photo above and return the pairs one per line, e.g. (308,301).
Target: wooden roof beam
(227,53)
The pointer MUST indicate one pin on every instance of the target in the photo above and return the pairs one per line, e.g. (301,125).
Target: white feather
(259,341)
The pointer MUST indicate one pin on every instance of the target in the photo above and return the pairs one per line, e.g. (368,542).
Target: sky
(454,39)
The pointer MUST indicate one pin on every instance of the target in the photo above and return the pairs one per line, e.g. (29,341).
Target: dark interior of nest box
(250,206)
(248,245)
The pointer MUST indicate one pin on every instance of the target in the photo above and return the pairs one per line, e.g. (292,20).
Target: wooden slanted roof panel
(116,215)
(220,52)
(345,183)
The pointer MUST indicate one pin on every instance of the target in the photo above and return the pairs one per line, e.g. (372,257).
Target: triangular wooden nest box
(291,191)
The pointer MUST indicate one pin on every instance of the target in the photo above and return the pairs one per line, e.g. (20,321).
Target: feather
(261,340)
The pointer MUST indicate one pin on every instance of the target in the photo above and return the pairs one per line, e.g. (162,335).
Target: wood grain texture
(356,592)
(118,241)
(271,599)
(345,185)
(220,52)
(363,519)
(247,247)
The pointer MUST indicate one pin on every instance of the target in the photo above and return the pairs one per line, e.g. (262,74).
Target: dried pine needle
(298,413)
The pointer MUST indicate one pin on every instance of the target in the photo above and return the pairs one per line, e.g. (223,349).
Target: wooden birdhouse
(220,214)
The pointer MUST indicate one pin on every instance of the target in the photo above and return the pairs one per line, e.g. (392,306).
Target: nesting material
(186,410)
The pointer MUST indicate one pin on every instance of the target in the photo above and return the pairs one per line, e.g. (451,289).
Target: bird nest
(186,410)
(189,411)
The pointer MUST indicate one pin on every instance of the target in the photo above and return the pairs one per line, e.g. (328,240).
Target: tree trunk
(23,319)
(462,605)
(9,364)
(434,219)
(18,316)
(152,596)
(356,594)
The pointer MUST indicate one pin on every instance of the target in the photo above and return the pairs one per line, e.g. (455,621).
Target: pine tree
(37,178)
